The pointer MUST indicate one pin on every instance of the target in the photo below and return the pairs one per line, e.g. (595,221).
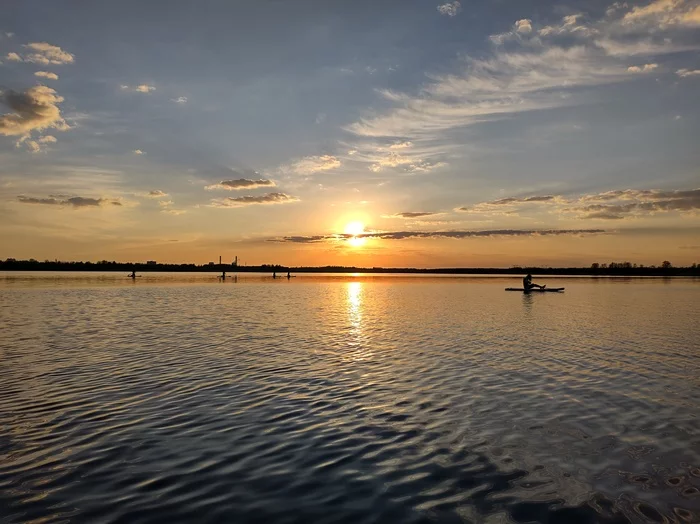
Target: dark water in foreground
(348,399)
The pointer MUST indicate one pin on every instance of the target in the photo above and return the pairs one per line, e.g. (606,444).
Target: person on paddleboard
(133,274)
(528,284)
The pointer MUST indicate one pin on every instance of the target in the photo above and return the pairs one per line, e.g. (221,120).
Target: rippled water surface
(347,399)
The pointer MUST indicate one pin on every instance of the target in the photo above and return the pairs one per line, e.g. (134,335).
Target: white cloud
(312,164)
(165,203)
(45,54)
(174,212)
(523,26)
(646,68)
(46,74)
(13,57)
(683,73)
(34,109)
(179,100)
(138,152)
(450,9)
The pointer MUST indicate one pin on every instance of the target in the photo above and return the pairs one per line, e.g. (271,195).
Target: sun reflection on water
(358,349)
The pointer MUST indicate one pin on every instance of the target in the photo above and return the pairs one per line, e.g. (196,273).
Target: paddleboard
(537,290)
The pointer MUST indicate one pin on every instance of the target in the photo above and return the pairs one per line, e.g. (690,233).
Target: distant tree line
(604,269)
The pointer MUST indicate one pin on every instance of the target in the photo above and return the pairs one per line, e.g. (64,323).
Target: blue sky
(558,132)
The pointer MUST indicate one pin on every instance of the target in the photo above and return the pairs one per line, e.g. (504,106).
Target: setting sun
(355,228)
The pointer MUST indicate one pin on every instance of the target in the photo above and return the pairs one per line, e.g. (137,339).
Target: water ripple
(361,401)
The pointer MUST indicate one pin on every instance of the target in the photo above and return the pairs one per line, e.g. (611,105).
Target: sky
(395,133)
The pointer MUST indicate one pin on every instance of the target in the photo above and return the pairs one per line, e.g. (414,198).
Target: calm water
(347,399)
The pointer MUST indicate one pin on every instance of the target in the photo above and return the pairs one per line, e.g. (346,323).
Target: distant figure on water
(223,275)
(133,274)
(528,284)
(289,275)
(274,274)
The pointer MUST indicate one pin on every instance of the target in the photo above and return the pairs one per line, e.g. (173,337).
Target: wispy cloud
(402,235)
(635,203)
(179,100)
(683,73)
(610,205)
(312,164)
(34,109)
(138,152)
(450,9)
(269,198)
(13,57)
(76,202)
(142,88)
(411,214)
(156,193)
(35,146)
(46,74)
(665,13)
(241,183)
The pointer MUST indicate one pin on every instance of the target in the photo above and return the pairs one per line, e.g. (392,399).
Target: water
(347,399)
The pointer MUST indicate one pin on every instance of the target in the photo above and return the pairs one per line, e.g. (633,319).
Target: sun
(354,229)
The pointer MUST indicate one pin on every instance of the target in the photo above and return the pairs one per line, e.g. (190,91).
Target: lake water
(355,399)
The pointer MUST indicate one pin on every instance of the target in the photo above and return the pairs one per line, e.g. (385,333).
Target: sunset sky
(375,133)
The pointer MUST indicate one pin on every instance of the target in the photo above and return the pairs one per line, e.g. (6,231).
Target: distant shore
(613,269)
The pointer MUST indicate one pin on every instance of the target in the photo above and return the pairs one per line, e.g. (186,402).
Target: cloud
(269,198)
(412,214)
(45,54)
(35,146)
(156,193)
(646,68)
(312,164)
(609,205)
(138,152)
(13,57)
(450,9)
(523,26)
(143,88)
(46,74)
(179,100)
(165,203)
(402,235)
(76,202)
(683,73)
(241,183)
(635,203)
(34,109)
(401,145)
(175,212)
(530,68)
(664,13)
(494,206)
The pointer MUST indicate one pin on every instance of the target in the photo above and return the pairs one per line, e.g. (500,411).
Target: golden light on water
(355,228)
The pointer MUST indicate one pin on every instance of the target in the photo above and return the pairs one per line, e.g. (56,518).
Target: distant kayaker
(133,274)
(528,284)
